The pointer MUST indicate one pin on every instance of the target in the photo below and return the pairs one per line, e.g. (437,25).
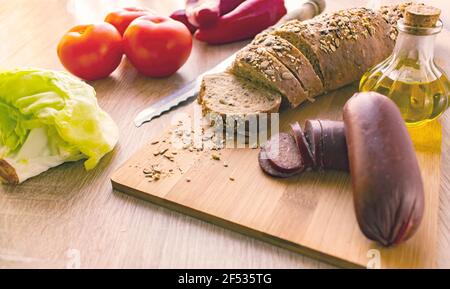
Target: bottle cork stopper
(422,16)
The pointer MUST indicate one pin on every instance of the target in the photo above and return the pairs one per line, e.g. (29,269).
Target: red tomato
(91,51)
(123,17)
(157,46)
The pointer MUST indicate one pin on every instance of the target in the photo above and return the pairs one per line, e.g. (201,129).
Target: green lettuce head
(48,118)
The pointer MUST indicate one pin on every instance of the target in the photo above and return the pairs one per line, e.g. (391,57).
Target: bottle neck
(419,48)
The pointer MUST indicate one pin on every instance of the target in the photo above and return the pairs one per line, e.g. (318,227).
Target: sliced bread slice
(294,60)
(229,95)
(257,64)
(341,46)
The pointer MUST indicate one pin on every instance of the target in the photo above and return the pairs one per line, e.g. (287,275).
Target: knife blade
(191,89)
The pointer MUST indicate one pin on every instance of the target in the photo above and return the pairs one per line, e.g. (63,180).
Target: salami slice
(283,153)
(313,134)
(267,167)
(303,145)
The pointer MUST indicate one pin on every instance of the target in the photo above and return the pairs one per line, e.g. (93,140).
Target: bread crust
(257,64)
(294,60)
(343,45)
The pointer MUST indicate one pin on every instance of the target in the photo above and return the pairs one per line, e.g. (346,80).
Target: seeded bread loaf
(392,13)
(294,60)
(228,95)
(341,46)
(331,51)
(255,63)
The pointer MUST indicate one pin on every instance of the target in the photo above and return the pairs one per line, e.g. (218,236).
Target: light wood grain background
(69,218)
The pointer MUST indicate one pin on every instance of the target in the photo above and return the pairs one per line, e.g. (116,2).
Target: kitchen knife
(308,10)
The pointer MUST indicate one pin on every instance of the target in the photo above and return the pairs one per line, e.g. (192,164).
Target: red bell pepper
(247,20)
(226,6)
(180,15)
(206,13)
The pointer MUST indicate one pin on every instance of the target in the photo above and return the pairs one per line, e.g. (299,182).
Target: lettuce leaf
(50,117)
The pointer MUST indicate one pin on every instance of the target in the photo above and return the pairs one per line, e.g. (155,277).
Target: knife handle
(308,10)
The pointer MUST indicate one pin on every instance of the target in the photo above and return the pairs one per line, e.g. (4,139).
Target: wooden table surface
(69,218)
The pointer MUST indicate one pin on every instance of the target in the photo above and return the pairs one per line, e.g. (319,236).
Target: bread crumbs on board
(173,146)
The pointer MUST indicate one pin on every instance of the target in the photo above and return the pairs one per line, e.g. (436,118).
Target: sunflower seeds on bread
(256,64)
(294,60)
(341,46)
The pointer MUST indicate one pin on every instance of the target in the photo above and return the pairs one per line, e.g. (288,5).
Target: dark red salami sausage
(268,168)
(283,153)
(313,134)
(323,147)
(334,146)
(387,184)
(303,145)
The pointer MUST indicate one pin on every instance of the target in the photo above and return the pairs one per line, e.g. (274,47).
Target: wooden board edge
(202,216)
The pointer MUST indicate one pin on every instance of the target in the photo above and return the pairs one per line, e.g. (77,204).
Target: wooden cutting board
(311,214)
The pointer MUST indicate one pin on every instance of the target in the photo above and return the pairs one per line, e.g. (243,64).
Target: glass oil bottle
(409,76)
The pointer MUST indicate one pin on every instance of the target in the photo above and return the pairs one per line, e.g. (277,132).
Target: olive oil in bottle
(419,102)
(409,76)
